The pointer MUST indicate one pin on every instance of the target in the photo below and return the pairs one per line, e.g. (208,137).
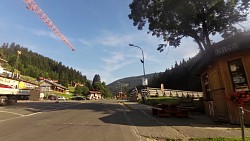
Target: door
(218,95)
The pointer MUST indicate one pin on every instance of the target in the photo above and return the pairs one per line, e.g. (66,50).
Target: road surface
(66,121)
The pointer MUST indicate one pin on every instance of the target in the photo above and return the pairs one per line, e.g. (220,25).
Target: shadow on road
(116,113)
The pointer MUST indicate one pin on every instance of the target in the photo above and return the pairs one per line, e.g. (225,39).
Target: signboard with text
(144,81)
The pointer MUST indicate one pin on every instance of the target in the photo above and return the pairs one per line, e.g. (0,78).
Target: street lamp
(16,65)
(140,60)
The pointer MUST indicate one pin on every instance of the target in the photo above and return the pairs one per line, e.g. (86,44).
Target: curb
(127,105)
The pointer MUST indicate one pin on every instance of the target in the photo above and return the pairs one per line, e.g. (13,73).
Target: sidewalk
(196,126)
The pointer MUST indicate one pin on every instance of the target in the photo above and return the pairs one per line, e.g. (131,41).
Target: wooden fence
(154,92)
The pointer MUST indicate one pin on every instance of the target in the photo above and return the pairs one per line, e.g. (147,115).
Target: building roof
(94,92)
(2,60)
(238,42)
(56,84)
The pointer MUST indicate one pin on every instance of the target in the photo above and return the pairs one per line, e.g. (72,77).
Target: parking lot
(29,108)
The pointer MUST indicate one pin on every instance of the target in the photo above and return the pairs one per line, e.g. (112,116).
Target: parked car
(52,97)
(78,98)
(61,98)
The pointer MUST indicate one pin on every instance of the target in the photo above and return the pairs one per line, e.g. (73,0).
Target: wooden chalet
(121,96)
(94,95)
(225,70)
(48,86)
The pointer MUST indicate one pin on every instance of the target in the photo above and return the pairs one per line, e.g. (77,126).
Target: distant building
(48,86)
(94,95)
(121,96)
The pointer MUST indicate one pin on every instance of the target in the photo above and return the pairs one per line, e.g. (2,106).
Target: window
(238,75)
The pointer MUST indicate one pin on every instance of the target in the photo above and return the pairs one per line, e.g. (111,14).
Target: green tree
(97,86)
(78,90)
(85,90)
(173,20)
(96,78)
(63,79)
(88,84)
(102,87)
(107,93)
(35,65)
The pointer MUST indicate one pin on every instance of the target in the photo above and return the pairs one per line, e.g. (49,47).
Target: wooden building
(121,96)
(94,95)
(48,86)
(224,70)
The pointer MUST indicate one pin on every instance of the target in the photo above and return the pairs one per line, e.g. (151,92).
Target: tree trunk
(199,44)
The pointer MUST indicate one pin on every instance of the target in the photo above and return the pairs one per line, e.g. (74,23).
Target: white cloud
(45,33)
(115,62)
(39,32)
(116,57)
(90,73)
(119,55)
(85,42)
(110,39)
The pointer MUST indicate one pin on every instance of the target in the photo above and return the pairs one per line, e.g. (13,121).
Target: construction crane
(31,5)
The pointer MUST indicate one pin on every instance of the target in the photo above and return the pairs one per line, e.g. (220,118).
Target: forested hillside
(35,65)
(128,83)
(179,77)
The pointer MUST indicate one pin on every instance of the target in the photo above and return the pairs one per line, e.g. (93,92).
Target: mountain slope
(128,83)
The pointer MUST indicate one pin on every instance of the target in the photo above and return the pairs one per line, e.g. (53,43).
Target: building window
(238,75)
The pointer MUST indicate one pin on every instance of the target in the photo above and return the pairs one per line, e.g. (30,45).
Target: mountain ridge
(128,83)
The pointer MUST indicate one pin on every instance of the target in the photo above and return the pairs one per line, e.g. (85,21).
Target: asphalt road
(66,121)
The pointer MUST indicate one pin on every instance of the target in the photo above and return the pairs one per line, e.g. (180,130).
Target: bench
(155,110)
(163,110)
(160,112)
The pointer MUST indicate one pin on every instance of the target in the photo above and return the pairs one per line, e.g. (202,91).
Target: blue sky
(99,30)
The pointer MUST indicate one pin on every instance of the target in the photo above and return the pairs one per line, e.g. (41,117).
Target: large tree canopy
(172,20)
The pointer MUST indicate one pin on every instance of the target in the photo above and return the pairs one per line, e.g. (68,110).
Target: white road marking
(21,115)
(11,113)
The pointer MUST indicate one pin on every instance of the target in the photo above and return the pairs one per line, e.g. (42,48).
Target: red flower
(239,97)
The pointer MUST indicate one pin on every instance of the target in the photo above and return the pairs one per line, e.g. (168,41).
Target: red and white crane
(31,5)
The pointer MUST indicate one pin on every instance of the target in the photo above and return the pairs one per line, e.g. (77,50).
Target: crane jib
(31,5)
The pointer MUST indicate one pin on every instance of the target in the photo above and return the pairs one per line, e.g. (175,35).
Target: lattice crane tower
(31,5)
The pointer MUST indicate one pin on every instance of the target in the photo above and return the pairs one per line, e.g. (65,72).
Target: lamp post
(132,45)
(16,65)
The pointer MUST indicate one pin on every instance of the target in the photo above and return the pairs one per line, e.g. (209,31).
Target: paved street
(66,121)
(104,120)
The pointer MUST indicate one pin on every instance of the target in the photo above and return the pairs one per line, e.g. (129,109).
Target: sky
(100,32)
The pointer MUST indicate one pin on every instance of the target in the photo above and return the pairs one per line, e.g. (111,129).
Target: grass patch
(67,96)
(28,78)
(71,89)
(153,101)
